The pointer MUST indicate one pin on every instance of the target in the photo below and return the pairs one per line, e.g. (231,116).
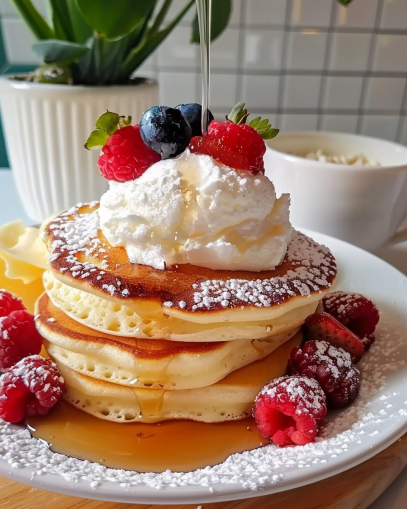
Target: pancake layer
(144,363)
(230,399)
(119,320)
(82,258)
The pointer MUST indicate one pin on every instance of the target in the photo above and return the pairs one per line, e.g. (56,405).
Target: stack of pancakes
(139,344)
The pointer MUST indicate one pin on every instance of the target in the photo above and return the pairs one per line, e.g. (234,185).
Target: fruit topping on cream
(195,210)
(208,204)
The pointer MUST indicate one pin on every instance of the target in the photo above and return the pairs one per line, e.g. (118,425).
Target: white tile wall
(385,93)
(179,88)
(391,53)
(306,50)
(223,50)
(340,123)
(380,126)
(259,91)
(176,52)
(265,12)
(343,92)
(299,122)
(360,14)
(350,52)
(311,13)
(303,63)
(394,14)
(302,92)
(223,95)
(263,49)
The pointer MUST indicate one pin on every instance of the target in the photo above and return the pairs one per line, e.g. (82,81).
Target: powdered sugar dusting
(313,270)
(377,411)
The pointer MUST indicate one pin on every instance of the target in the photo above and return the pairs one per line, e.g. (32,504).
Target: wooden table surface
(356,488)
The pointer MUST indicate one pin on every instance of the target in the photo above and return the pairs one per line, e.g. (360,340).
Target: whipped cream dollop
(195,210)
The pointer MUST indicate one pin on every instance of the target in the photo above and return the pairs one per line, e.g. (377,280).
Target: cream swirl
(194,210)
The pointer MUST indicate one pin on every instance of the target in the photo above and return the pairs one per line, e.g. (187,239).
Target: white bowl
(364,205)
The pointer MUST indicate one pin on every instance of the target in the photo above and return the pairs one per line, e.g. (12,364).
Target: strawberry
(124,155)
(324,327)
(234,143)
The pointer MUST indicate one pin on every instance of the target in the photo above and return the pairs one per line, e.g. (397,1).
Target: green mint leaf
(97,139)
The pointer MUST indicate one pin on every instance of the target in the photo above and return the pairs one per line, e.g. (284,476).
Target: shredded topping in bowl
(351,160)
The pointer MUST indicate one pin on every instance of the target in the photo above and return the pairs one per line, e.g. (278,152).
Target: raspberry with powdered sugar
(290,409)
(30,388)
(332,367)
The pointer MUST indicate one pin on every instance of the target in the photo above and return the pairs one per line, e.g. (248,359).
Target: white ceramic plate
(376,420)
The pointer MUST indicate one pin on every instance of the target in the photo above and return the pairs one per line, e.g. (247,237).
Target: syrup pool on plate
(170,445)
(179,446)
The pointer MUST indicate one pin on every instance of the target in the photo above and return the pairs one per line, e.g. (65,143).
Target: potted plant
(90,50)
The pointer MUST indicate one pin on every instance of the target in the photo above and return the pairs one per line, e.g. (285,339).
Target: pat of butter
(23,251)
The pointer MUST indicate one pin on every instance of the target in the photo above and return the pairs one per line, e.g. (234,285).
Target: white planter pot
(46,127)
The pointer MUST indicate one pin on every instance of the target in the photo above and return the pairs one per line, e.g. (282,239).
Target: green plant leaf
(55,51)
(221,12)
(33,19)
(345,2)
(113,19)
(61,19)
(160,17)
(135,38)
(108,122)
(137,56)
(81,30)
(97,139)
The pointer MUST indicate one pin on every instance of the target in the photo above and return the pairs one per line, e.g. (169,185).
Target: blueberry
(192,112)
(165,130)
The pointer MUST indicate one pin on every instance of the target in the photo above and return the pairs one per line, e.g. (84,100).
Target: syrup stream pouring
(204,8)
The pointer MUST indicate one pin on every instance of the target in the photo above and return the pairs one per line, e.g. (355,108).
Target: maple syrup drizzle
(180,446)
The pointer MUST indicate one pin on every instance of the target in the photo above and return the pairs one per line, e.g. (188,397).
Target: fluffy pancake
(152,363)
(230,399)
(112,318)
(81,257)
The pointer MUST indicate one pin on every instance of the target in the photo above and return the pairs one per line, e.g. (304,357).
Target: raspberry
(237,146)
(125,156)
(358,313)
(30,388)
(10,302)
(289,410)
(18,338)
(332,367)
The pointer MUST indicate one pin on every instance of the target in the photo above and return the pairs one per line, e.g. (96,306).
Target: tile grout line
(316,111)
(283,60)
(372,54)
(241,48)
(328,51)
(290,72)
